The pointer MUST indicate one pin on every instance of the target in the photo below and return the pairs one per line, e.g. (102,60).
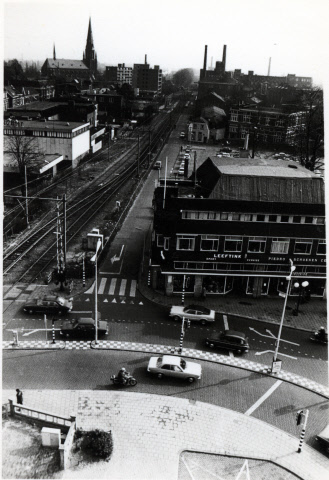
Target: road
(132,318)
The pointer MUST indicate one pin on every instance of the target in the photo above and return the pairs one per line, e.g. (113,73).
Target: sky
(173,33)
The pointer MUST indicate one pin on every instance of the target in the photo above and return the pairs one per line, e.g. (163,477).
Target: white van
(157,165)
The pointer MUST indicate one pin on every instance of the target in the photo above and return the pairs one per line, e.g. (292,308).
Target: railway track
(41,242)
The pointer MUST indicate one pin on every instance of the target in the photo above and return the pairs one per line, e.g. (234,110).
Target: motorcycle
(316,338)
(130,380)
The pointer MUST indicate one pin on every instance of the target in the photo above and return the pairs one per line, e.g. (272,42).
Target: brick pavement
(151,431)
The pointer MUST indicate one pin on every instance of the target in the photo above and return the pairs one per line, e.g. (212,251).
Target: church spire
(54,53)
(89,56)
(90,41)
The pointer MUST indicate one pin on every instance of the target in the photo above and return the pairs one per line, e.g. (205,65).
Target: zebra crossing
(115,287)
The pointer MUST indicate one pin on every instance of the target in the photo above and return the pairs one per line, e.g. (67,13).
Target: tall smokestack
(205,60)
(224,57)
(269,68)
(145,59)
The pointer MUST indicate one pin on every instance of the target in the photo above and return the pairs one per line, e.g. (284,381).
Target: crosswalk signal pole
(301,419)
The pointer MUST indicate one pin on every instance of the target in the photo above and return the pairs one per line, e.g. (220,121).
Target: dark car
(226,150)
(323,438)
(52,304)
(83,326)
(229,340)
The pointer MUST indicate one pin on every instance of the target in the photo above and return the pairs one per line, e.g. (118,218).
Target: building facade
(147,79)
(119,75)
(69,139)
(238,230)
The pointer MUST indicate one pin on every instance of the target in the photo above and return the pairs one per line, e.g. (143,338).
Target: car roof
(85,321)
(324,434)
(171,359)
(234,333)
(199,307)
(51,298)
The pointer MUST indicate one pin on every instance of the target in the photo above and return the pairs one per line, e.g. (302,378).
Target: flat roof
(261,167)
(55,125)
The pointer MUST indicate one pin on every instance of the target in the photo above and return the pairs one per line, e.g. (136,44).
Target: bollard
(302,420)
(183,292)
(15,335)
(53,331)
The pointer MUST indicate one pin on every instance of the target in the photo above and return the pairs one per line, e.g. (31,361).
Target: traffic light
(300,417)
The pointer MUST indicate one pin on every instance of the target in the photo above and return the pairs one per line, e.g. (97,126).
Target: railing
(23,411)
(65,448)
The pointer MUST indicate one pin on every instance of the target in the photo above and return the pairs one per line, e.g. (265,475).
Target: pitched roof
(64,63)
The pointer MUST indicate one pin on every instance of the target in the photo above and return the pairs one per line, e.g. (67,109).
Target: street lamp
(274,366)
(94,259)
(301,287)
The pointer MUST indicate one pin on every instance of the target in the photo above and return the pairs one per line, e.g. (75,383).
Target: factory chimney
(269,68)
(224,57)
(145,58)
(205,61)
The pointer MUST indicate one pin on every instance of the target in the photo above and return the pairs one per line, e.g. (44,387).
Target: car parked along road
(50,304)
(229,340)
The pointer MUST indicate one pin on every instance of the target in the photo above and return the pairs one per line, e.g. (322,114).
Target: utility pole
(64,218)
(149,154)
(138,155)
(26,202)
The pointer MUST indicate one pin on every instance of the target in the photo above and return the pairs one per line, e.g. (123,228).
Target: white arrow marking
(114,300)
(39,330)
(269,331)
(115,258)
(273,337)
(271,351)
(106,300)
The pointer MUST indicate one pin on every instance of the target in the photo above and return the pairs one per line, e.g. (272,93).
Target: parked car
(226,150)
(193,312)
(182,135)
(51,304)
(157,165)
(83,326)
(172,366)
(181,172)
(229,340)
(323,437)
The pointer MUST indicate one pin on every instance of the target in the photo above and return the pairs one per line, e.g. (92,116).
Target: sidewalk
(151,431)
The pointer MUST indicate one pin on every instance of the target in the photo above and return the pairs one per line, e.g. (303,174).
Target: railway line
(28,260)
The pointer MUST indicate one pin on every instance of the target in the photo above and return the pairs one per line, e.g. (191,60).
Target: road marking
(112,286)
(271,351)
(225,322)
(102,286)
(39,330)
(263,398)
(272,337)
(91,289)
(81,311)
(133,288)
(122,287)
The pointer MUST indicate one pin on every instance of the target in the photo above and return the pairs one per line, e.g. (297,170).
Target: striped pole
(149,278)
(302,434)
(53,331)
(180,349)
(183,292)
(83,272)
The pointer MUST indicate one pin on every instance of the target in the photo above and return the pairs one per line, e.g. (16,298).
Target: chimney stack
(145,58)
(224,57)
(205,60)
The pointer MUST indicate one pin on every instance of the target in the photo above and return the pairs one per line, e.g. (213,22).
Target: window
(267,120)
(272,218)
(321,250)
(247,217)
(224,216)
(234,117)
(160,241)
(284,219)
(233,244)
(319,220)
(308,219)
(257,244)
(260,218)
(280,245)
(296,219)
(209,243)
(185,243)
(246,118)
(303,246)
(166,243)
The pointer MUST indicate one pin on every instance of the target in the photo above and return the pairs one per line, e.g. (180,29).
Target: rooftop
(54,125)
(66,63)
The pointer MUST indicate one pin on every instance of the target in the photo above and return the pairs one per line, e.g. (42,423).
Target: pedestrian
(19,397)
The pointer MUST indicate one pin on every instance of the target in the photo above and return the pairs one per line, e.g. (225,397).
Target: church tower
(90,56)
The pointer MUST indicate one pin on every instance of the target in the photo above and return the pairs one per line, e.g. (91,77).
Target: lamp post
(254,142)
(274,366)
(301,288)
(94,259)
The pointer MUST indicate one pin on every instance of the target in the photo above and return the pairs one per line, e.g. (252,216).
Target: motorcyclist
(123,376)
(321,334)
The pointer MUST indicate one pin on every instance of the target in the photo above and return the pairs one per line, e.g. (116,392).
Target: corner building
(234,231)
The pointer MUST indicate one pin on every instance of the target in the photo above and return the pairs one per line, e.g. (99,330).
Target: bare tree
(309,139)
(24,150)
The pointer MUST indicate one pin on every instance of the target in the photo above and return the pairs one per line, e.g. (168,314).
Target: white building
(69,139)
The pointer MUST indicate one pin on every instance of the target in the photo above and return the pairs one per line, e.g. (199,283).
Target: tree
(310,133)
(23,150)
(13,72)
(184,77)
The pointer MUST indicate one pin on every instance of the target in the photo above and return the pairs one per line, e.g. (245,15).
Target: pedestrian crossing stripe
(106,300)
(114,300)
(88,300)
(114,286)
